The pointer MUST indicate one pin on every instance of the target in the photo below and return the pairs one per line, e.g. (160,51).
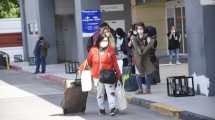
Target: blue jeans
(174,53)
(40,61)
(110,90)
(147,79)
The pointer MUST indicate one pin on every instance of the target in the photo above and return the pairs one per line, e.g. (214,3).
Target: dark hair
(98,40)
(104,24)
(151,31)
(41,38)
(140,24)
(120,32)
(132,28)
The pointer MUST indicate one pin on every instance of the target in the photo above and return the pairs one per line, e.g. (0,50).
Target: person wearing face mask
(106,32)
(102,58)
(174,45)
(142,45)
(122,49)
(93,38)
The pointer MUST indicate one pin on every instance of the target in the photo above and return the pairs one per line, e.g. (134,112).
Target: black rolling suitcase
(74,99)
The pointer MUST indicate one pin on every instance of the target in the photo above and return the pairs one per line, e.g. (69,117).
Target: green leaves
(125,77)
(9,9)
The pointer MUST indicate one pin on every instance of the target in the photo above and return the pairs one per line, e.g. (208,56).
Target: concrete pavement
(158,101)
(25,97)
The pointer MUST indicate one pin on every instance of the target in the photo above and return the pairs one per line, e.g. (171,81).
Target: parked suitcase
(74,99)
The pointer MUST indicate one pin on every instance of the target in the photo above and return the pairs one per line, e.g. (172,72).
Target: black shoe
(36,72)
(43,72)
(102,112)
(139,91)
(113,112)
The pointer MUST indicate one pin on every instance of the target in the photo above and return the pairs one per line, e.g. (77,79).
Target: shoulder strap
(85,64)
(100,62)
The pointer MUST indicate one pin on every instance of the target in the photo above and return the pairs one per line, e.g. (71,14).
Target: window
(140,2)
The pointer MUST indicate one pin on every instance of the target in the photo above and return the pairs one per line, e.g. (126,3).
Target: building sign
(207,2)
(91,19)
(112,8)
(116,24)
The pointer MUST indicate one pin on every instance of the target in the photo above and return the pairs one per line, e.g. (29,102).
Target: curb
(186,115)
(52,78)
(14,67)
(166,109)
(161,108)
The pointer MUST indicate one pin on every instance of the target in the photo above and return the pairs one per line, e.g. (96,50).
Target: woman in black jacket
(174,45)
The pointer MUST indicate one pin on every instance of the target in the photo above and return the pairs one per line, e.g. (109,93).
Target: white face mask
(103,44)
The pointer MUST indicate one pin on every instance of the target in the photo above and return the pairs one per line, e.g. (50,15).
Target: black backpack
(152,32)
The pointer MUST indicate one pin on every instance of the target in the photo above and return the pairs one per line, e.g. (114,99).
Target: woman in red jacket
(102,57)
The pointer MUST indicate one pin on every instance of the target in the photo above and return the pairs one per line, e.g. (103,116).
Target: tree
(9,9)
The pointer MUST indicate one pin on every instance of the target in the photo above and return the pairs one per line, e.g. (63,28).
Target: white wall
(10,25)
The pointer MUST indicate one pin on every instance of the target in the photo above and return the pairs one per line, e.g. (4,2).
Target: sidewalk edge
(166,109)
(161,108)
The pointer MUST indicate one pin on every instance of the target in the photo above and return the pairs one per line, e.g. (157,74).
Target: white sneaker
(178,63)
(170,63)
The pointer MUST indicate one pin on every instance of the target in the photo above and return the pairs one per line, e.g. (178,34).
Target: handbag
(121,101)
(86,79)
(106,76)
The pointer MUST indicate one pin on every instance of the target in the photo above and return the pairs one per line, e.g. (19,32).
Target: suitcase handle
(77,79)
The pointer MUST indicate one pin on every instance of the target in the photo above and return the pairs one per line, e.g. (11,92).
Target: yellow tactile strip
(158,107)
(166,109)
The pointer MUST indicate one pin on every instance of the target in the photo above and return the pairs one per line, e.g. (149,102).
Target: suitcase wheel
(65,111)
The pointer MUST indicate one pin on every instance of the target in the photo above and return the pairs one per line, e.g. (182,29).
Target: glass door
(180,26)
(175,14)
